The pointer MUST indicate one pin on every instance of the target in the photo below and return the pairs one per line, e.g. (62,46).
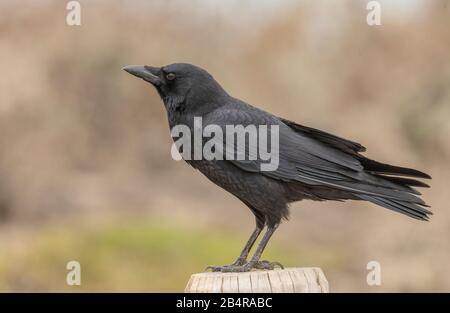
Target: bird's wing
(305,158)
(296,151)
(353,148)
(339,143)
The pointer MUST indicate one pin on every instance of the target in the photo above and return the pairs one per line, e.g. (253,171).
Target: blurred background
(85,167)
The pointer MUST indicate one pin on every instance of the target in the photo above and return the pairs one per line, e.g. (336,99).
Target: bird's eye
(170,76)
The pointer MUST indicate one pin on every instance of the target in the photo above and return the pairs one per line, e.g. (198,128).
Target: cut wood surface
(296,279)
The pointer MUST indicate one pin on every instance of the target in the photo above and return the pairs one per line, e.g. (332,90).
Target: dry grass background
(85,166)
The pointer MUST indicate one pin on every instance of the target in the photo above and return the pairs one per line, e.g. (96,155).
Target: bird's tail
(403,201)
(383,168)
(410,209)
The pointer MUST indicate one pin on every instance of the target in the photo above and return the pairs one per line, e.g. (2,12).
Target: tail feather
(403,184)
(382,168)
(408,208)
(404,181)
(415,208)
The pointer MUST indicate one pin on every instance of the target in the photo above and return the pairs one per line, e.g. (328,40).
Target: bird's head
(181,84)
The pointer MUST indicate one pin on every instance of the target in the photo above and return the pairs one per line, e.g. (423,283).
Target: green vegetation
(120,256)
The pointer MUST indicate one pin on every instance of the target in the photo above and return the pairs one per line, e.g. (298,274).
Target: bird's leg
(242,259)
(255,262)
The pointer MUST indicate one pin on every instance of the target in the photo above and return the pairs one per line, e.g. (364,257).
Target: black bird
(313,164)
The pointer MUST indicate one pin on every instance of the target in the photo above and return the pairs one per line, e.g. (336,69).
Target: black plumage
(312,165)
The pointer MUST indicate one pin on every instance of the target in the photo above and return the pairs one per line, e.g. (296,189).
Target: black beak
(147,73)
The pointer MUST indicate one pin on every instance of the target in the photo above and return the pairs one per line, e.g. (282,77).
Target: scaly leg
(242,259)
(254,262)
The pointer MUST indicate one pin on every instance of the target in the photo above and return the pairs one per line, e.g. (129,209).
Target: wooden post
(297,279)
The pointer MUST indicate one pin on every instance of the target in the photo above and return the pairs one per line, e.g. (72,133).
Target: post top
(294,279)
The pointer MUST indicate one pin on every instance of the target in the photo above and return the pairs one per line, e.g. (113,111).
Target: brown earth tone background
(85,166)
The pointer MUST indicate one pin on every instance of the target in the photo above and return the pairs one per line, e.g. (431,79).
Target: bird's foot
(267,265)
(230,268)
(245,267)
(227,268)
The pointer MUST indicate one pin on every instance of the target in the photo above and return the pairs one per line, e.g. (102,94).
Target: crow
(313,164)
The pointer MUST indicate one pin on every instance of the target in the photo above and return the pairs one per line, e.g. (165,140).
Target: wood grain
(296,279)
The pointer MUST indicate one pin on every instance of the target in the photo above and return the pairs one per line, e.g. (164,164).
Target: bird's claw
(238,263)
(230,268)
(246,267)
(266,265)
